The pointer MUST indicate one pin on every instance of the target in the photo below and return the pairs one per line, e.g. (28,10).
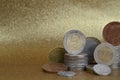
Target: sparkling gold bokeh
(30,29)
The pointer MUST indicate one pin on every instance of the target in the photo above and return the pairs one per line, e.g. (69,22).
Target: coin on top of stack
(74,43)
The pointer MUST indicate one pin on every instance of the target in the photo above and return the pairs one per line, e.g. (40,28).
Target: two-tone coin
(74,42)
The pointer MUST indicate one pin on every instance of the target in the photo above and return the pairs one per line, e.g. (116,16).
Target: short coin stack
(76,62)
(116,63)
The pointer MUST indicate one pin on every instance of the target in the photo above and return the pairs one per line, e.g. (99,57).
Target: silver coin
(66,73)
(102,69)
(91,44)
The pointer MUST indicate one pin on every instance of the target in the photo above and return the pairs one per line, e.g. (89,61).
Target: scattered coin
(111,33)
(67,73)
(57,55)
(102,69)
(54,67)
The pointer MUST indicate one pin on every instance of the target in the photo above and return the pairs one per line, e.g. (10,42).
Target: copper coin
(54,67)
(111,33)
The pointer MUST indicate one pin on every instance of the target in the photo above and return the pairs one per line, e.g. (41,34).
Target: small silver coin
(102,69)
(66,73)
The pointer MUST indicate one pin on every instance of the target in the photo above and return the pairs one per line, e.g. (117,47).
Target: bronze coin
(54,67)
(111,33)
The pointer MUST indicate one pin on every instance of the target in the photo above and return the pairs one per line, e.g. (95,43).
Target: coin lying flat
(66,73)
(54,67)
(102,69)
(111,33)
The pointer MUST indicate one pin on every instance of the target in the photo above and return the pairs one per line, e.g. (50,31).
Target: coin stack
(116,63)
(76,62)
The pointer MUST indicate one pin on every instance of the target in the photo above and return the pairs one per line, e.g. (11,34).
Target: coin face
(54,67)
(105,53)
(74,42)
(102,69)
(111,33)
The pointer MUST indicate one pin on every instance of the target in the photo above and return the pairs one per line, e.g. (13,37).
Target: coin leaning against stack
(76,62)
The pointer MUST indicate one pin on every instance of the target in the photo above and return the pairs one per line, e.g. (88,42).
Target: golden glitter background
(30,29)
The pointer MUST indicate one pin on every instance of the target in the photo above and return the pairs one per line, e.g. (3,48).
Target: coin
(57,55)
(66,73)
(102,69)
(105,53)
(111,33)
(74,42)
(54,67)
(91,44)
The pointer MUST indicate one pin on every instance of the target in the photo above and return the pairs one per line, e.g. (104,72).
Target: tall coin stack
(74,43)
(76,62)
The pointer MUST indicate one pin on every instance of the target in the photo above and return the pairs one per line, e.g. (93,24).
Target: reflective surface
(34,72)
(30,29)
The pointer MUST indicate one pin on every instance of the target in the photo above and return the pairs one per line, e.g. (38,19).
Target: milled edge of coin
(102,45)
(66,38)
(66,73)
(100,69)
